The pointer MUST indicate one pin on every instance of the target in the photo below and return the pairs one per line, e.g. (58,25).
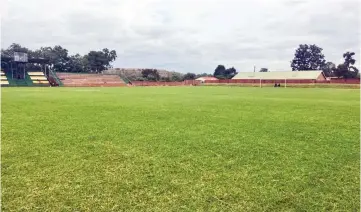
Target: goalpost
(260,82)
(261,85)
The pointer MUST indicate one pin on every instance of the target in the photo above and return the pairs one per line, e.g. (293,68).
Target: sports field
(180,149)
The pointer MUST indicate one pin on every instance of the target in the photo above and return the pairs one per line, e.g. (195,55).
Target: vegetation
(61,61)
(310,57)
(180,149)
(150,74)
(263,70)
(189,76)
(347,70)
(222,73)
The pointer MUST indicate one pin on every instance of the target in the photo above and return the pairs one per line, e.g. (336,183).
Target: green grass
(314,85)
(180,149)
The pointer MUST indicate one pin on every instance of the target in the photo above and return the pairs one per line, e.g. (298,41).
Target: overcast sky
(187,35)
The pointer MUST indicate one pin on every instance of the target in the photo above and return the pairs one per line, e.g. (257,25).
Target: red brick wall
(345,81)
(147,83)
(245,81)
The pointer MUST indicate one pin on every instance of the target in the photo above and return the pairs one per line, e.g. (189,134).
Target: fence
(254,81)
(183,83)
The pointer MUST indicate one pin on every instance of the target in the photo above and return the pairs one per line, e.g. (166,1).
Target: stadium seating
(3,79)
(38,78)
(90,80)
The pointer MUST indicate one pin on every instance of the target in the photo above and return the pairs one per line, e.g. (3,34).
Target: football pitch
(180,149)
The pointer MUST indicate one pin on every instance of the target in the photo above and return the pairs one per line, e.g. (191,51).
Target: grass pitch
(180,149)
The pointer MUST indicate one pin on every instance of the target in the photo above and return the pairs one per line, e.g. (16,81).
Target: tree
(204,75)
(59,59)
(14,47)
(347,70)
(189,76)
(263,70)
(219,71)
(100,60)
(150,74)
(348,56)
(176,77)
(77,64)
(222,73)
(230,73)
(110,55)
(308,57)
(328,69)
(341,71)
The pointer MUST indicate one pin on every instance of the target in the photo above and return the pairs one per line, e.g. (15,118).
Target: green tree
(219,71)
(151,74)
(77,64)
(176,77)
(204,75)
(349,60)
(14,47)
(341,71)
(347,70)
(308,57)
(230,73)
(263,70)
(189,76)
(98,61)
(328,69)
(222,73)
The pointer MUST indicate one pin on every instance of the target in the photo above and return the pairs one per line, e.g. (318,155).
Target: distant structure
(282,75)
(19,70)
(203,79)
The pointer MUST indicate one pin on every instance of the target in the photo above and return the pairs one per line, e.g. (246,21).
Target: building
(203,79)
(282,75)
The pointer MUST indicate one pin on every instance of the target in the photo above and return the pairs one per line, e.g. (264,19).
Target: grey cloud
(179,36)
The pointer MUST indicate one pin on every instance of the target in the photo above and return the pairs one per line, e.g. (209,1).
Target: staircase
(9,78)
(53,78)
(124,78)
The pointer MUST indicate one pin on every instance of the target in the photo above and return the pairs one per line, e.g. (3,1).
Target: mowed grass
(180,149)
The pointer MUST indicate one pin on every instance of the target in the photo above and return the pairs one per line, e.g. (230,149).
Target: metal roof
(296,75)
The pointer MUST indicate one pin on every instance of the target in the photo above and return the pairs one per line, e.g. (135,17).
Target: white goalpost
(260,83)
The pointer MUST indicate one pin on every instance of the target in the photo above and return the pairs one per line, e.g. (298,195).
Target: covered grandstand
(20,70)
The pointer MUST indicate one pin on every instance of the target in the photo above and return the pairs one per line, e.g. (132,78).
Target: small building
(203,79)
(282,75)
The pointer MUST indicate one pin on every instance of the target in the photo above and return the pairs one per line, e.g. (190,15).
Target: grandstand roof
(296,75)
(30,60)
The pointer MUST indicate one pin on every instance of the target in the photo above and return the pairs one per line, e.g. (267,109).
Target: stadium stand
(3,79)
(90,80)
(38,78)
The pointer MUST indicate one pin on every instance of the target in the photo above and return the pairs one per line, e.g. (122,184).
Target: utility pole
(254,68)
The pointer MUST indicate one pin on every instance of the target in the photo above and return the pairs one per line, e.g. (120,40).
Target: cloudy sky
(187,35)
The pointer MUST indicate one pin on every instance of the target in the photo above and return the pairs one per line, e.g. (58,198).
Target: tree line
(310,57)
(153,75)
(61,61)
(221,72)
(307,57)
